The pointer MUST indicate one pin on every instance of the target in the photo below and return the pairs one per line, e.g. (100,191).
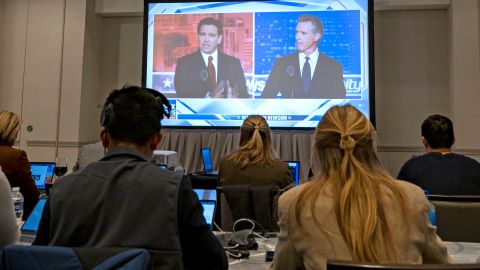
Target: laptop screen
(294,168)
(207,160)
(33,220)
(206,194)
(42,172)
(208,210)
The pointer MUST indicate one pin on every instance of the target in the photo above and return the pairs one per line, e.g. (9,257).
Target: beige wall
(56,69)
(411,78)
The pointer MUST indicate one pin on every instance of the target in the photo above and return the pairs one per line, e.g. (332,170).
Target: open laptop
(209,208)
(207,162)
(206,194)
(30,227)
(42,172)
(294,168)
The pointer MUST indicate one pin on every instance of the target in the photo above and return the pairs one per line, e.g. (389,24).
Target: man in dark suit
(307,73)
(208,73)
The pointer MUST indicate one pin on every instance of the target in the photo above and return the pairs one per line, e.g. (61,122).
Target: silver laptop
(30,227)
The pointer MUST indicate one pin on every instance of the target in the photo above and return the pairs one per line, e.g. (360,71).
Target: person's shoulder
(225,158)
(417,159)
(409,188)
(292,57)
(282,165)
(14,152)
(227,57)
(464,158)
(188,57)
(289,196)
(325,59)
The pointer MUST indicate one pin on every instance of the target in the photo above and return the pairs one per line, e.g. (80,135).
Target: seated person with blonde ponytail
(254,162)
(352,209)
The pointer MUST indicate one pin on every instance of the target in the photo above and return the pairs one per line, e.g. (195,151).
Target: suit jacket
(285,78)
(16,167)
(415,239)
(255,175)
(191,76)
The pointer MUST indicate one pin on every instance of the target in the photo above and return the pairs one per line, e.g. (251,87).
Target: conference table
(460,252)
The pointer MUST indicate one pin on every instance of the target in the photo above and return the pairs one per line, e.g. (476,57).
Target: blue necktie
(306,76)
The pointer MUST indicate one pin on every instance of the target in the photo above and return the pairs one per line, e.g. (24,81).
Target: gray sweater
(8,223)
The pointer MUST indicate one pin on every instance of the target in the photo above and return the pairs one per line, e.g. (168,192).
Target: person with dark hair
(254,163)
(124,200)
(440,171)
(353,209)
(209,73)
(307,73)
(15,163)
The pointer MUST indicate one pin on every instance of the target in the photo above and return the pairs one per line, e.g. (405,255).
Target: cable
(244,219)
(254,224)
(218,228)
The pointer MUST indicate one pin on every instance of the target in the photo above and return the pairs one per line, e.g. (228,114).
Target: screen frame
(371,64)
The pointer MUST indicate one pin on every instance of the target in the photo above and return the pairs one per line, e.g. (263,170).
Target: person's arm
(240,84)
(200,247)
(43,233)
(274,81)
(287,179)
(337,82)
(27,185)
(286,257)
(403,174)
(180,80)
(435,250)
(8,223)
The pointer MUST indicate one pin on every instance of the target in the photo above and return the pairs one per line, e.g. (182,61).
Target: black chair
(343,265)
(457,217)
(246,202)
(17,257)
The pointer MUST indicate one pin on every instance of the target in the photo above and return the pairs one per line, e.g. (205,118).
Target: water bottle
(18,202)
(431,213)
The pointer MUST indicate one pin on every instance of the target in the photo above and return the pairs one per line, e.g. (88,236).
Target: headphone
(107,116)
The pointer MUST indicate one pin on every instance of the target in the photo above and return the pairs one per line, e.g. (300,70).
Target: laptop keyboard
(26,238)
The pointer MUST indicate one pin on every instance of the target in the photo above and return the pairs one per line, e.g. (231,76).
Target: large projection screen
(258,60)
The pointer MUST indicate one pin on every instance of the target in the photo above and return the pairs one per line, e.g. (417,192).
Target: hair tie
(347,143)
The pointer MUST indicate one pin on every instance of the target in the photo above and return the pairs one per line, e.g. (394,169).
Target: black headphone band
(107,116)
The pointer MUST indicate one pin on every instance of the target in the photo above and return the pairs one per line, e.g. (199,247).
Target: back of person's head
(9,126)
(438,131)
(255,143)
(348,162)
(316,22)
(211,21)
(133,114)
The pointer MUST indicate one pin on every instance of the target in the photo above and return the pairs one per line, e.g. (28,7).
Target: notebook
(294,168)
(30,227)
(209,210)
(207,162)
(42,172)
(206,194)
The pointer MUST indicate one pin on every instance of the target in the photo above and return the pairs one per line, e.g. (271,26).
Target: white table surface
(460,252)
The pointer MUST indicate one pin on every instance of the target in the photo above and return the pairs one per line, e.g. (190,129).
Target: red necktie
(211,73)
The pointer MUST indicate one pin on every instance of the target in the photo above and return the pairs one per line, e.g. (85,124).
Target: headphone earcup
(107,115)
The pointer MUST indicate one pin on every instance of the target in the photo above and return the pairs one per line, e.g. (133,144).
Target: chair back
(343,265)
(457,217)
(17,257)
(243,201)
